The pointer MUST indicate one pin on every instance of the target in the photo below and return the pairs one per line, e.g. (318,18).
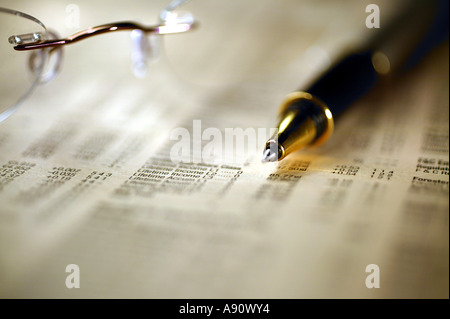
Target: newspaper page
(101,198)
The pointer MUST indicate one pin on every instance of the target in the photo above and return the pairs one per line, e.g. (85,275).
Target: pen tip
(268,156)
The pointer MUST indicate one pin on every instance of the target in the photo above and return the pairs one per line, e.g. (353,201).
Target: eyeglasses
(31,54)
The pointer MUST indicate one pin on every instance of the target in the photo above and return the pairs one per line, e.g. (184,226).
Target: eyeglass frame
(51,43)
(162,29)
(46,47)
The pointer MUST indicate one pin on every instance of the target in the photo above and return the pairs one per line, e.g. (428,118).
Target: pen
(307,117)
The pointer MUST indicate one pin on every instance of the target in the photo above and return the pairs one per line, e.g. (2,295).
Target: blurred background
(230,43)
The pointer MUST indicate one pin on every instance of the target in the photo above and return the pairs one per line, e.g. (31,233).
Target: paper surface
(86,177)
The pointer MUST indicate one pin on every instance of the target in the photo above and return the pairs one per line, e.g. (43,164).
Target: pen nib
(268,156)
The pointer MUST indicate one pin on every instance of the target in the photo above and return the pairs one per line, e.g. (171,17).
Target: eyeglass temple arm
(107,28)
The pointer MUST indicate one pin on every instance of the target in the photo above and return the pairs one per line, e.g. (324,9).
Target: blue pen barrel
(349,80)
(403,42)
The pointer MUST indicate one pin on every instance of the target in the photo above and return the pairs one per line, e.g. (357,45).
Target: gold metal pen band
(292,136)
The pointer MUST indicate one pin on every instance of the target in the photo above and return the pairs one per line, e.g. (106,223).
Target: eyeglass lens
(19,71)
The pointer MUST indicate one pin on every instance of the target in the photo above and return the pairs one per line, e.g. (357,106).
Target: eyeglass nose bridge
(145,49)
(107,28)
(145,43)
